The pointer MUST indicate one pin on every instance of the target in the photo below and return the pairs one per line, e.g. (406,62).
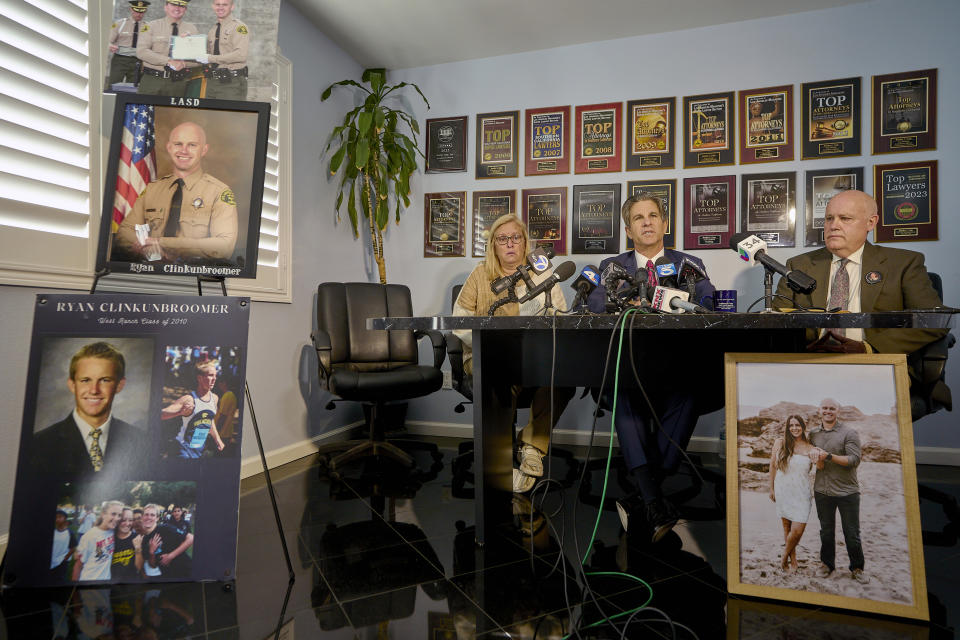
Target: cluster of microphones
(667,288)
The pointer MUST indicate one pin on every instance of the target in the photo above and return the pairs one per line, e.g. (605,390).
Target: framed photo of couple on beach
(822,503)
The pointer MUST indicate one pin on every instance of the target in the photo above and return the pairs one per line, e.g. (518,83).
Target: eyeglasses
(503,240)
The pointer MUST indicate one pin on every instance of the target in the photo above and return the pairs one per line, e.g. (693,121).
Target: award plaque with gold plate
(598,138)
(650,134)
(545,214)
(831,118)
(708,130)
(905,111)
(547,141)
(710,205)
(766,124)
(443,224)
(487,207)
(498,145)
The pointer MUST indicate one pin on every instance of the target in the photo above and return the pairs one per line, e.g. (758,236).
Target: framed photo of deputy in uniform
(184,187)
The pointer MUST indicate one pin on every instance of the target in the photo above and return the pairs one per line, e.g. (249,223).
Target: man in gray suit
(858,276)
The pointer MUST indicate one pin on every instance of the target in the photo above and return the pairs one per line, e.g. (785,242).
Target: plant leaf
(353,83)
(362,153)
(352,210)
(337,158)
(364,121)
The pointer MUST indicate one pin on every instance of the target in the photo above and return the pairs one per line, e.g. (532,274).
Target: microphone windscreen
(565,270)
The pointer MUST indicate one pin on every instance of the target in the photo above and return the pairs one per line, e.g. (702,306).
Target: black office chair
(462,382)
(929,393)
(928,390)
(372,367)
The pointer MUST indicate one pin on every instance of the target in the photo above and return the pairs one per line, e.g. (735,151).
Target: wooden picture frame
(498,145)
(763,394)
(768,207)
(545,215)
(907,201)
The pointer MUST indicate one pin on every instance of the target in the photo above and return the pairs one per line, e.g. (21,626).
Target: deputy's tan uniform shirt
(153,45)
(208,217)
(121,35)
(234,44)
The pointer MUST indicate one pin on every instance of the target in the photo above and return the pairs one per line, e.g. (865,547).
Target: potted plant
(376,156)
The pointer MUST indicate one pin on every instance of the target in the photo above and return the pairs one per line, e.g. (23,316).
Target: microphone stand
(768,290)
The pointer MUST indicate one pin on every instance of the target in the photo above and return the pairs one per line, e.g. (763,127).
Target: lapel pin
(873,277)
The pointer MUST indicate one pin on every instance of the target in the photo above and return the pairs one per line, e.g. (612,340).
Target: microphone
(666,272)
(690,275)
(674,301)
(586,282)
(538,260)
(561,273)
(613,275)
(752,248)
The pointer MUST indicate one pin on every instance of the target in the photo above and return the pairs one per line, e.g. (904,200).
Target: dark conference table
(511,350)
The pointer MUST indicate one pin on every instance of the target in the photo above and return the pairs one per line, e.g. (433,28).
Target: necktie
(840,290)
(173,34)
(651,274)
(216,41)
(173,221)
(136,32)
(96,454)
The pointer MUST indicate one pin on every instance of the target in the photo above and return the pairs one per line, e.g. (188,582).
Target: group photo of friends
(143,532)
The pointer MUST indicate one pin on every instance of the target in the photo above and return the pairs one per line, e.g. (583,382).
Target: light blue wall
(861,40)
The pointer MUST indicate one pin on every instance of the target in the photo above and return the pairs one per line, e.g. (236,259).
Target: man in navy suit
(90,439)
(651,455)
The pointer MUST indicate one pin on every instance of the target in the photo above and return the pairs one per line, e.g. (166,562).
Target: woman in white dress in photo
(790,486)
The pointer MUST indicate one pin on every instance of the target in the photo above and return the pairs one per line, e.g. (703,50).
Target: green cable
(603,494)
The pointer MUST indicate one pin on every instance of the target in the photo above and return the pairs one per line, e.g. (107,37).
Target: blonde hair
(491,263)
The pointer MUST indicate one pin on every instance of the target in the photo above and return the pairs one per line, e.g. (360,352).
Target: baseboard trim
(943,456)
(251,466)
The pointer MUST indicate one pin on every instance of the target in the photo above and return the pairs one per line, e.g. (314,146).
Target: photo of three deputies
(852,273)
(143,52)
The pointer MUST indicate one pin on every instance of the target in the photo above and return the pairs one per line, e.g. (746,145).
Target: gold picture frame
(763,393)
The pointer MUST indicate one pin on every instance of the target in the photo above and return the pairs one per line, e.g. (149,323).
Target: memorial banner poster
(709,130)
(447,145)
(766,124)
(821,185)
(497,145)
(130,439)
(444,224)
(666,192)
(545,214)
(906,196)
(830,119)
(548,141)
(711,211)
(650,134)
(596,218)
(598,138)
(905,111)
(487,207)
(769,208)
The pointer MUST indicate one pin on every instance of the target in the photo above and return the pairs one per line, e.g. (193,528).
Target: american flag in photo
(138,163)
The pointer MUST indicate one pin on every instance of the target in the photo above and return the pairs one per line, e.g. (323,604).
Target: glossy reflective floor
(386,554)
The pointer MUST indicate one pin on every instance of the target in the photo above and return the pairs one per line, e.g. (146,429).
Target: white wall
(859,40)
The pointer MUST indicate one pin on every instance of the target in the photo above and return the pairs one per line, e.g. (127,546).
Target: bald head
(850,216)
(187,146)
(829,409)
